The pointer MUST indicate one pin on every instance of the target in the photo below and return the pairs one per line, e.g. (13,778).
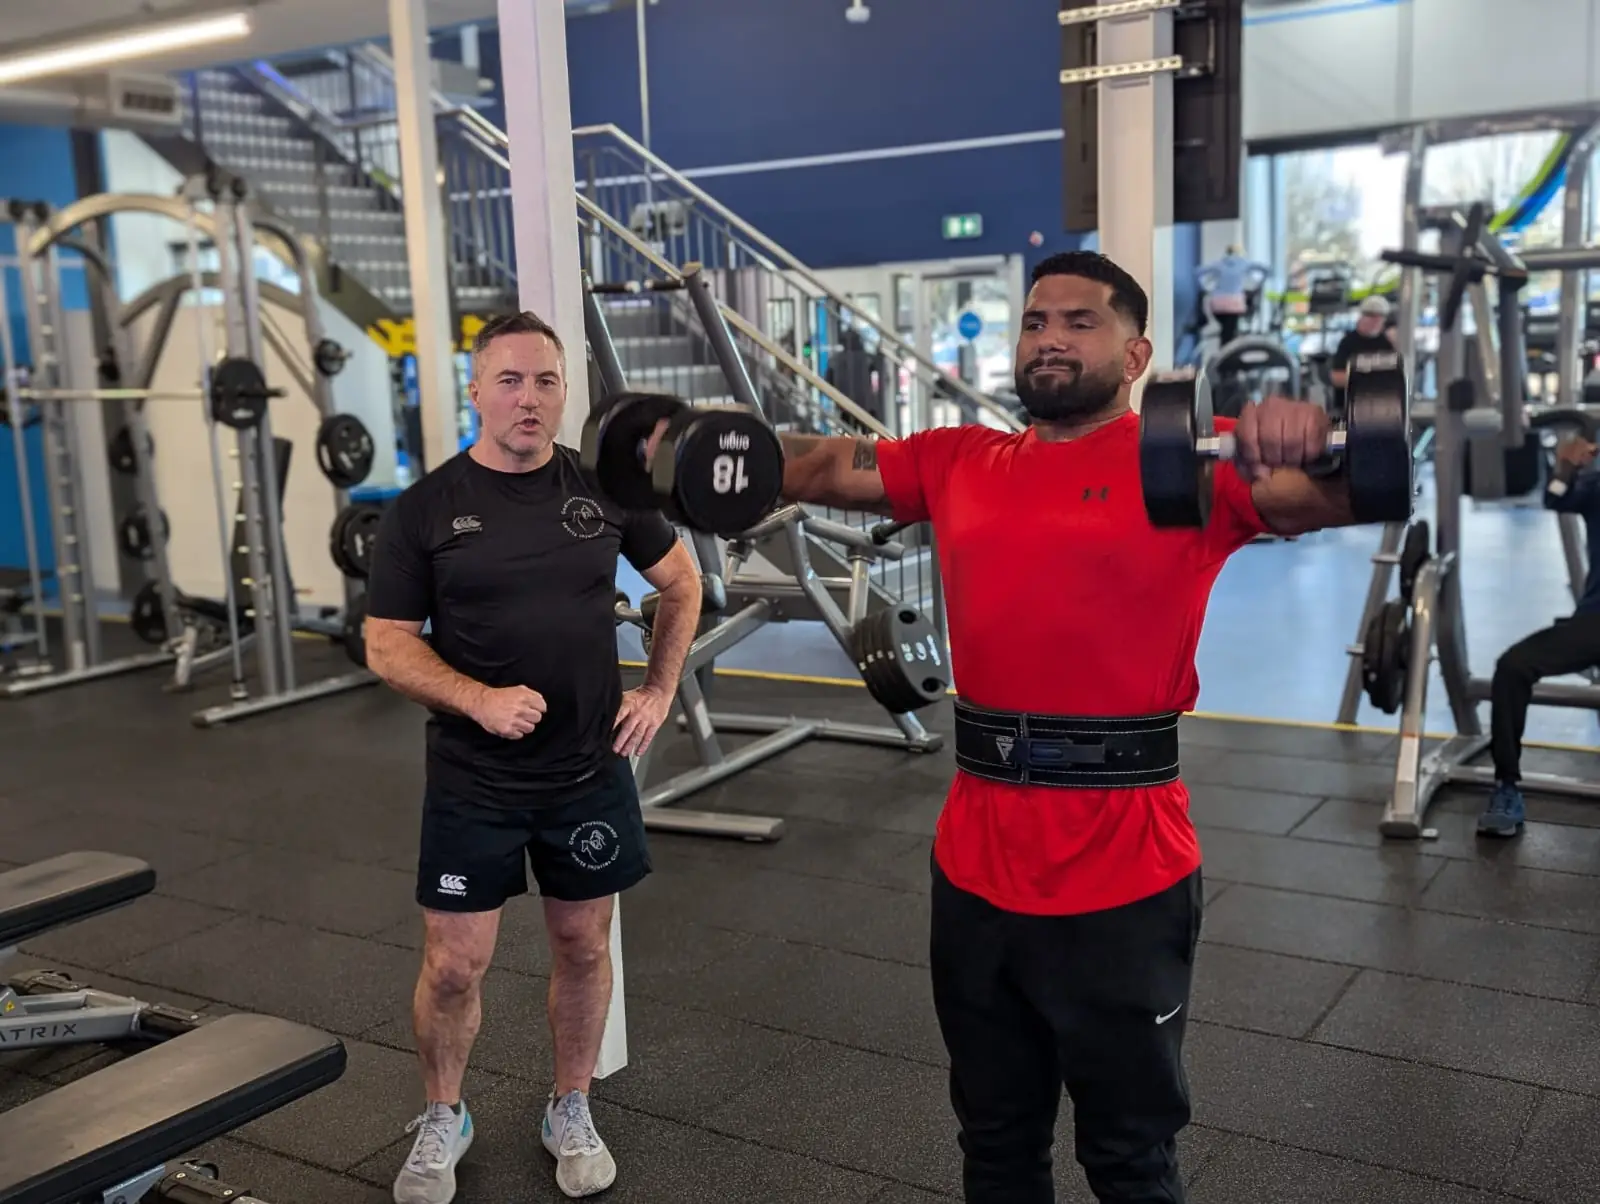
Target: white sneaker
(429,1175)
(584,1167)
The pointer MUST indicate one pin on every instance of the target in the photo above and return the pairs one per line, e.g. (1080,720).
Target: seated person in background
(1371,334)
(1571,645)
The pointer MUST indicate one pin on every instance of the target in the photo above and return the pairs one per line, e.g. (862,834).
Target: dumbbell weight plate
(351,541)
(915,650)
(866,649)
(611,442)
(1176,482)
(1377,442)
(345,451)
(719,469)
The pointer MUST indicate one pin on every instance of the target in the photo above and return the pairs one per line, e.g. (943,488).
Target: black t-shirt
(517,572)
(1355,343)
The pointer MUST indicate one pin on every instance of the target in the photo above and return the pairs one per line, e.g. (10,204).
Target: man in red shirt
(1066,892)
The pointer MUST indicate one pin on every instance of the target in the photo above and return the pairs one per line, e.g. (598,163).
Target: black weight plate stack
(1176,482)
(866,642)
(350,542)
(1377,440)
(1385,655)
(345,451)
(354,634)
(133,535)
(148,623)
(120,452)
(1414,553)
(721,467)
(612,438)
(238,393)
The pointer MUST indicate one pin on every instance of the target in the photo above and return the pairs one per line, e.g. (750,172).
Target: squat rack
(234,231)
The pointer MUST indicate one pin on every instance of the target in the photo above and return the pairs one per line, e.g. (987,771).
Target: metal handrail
(789,263)
(734,319)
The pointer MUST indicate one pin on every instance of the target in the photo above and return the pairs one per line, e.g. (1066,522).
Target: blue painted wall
(734,83)
(35,165)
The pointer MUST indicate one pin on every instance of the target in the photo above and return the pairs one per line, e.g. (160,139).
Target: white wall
(184,476)
(1319,66)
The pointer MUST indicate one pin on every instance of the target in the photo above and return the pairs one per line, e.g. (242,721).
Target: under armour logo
(452,884)
(1005,744)
(1105,490)
(467,522)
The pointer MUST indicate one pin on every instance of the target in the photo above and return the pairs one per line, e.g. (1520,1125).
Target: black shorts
(475,857)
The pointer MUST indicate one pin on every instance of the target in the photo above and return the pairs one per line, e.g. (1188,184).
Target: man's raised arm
(838,471)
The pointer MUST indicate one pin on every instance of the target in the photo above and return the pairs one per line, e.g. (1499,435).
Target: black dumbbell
(1179,446)
(717,469)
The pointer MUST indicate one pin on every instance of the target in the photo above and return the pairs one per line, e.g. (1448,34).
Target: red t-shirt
(1064,600)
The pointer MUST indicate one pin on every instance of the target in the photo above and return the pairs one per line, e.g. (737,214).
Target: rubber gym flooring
(1412,1024)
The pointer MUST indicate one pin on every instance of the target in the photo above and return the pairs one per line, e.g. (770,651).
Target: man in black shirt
(1371,334)
(510,552)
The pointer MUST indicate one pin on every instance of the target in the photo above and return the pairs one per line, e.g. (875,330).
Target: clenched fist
(510,713)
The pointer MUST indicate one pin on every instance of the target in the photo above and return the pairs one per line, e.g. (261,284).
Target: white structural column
(427,256)
(1135,138)
(544,213)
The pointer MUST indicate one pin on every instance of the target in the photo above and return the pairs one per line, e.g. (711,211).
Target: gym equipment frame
(1437,621)
(262,562)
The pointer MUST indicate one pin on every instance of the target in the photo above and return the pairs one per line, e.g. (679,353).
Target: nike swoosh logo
(1169,1015)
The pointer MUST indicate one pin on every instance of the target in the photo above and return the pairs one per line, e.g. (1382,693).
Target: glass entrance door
(969,328)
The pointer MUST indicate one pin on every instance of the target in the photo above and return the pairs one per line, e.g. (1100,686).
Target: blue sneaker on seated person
(1506,812)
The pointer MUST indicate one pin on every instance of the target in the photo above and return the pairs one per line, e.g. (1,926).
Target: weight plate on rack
(148,623)
(354,633)
(345,451)
(121,451)
(133,535)
(239,393)
(351,541)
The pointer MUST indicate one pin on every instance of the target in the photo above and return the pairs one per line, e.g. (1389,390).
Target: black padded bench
(134,1117)
(66,889)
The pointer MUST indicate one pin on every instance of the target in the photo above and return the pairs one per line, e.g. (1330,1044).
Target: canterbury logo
(468,522)
(1005,744)
(452,884)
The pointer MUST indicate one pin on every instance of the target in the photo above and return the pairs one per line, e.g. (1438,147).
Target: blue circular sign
(969,324)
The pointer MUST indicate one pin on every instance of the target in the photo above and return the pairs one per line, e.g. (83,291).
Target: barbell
(238,395)
(1179,445)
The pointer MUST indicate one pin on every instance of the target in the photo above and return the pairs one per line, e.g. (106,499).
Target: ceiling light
(129,44)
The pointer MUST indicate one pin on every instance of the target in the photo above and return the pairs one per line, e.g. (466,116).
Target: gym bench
(45,1009)
(111,1135)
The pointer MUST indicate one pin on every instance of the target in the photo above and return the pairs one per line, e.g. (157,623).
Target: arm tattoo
(866,456)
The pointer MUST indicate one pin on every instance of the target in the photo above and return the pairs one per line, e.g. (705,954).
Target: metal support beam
(425,229)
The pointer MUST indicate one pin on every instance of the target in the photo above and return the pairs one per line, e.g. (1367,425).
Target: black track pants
(1095,1003)
(1570,646)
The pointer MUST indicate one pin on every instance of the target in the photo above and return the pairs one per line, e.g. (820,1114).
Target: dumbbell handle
(1222,447)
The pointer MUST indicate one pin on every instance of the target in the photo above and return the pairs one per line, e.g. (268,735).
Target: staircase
(317,139)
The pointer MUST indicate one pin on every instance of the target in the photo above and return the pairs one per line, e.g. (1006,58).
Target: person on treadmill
(1372,333)
(1569,645)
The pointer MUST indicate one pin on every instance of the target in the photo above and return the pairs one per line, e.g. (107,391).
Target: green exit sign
(963,225)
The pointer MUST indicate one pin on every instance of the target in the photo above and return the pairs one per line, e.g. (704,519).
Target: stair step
(659,350)
(238,125)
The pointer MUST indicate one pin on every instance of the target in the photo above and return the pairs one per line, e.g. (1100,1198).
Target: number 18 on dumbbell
(1179,445)
(717,468)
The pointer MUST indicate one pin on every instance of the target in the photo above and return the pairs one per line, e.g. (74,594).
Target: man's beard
(1065,399)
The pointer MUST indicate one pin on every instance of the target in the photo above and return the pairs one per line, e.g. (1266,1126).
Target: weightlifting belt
(1061,750)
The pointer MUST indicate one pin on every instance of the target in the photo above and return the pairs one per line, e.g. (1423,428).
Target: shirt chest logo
(583,518)
(466,523)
